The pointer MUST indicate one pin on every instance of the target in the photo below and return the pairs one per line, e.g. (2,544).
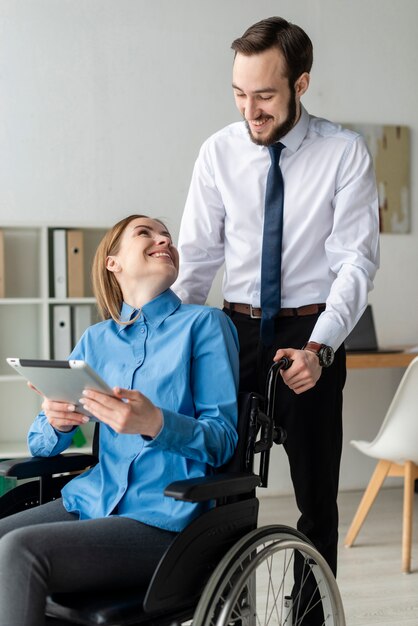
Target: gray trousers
(41,552)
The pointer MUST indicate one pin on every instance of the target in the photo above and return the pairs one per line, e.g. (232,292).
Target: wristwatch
(324,353)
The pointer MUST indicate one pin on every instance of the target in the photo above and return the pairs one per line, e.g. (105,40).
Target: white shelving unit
(25,321)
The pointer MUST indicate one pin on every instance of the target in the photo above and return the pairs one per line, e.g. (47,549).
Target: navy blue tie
(271,258)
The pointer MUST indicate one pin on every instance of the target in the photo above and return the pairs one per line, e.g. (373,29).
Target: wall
(104,104)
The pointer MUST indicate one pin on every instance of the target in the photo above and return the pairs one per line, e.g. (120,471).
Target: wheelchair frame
(211,571)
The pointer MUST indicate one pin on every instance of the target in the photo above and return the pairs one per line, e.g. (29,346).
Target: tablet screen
(63,381)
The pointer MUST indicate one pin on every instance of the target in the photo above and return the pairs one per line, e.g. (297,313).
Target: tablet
(61,380)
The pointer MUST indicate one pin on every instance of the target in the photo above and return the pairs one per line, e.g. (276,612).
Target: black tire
(255,584)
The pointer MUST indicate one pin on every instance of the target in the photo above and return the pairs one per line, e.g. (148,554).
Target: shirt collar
(293,139)
(155,311)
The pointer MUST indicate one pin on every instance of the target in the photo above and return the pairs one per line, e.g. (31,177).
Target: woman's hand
(61,415)
(304,372)
(129,412)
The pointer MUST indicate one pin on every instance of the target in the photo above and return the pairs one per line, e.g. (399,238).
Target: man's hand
(304,372)
(129,412)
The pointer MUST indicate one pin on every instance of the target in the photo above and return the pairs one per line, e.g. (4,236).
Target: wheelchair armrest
(212,487)
(34,466)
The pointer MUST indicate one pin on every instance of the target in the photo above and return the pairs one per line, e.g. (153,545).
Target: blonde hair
(106,288)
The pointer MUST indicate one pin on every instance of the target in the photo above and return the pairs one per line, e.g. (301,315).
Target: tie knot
(275,151)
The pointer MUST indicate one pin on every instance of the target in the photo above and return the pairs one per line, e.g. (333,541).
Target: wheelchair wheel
(274,577)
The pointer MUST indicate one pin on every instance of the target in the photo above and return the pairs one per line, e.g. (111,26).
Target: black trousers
(312,420)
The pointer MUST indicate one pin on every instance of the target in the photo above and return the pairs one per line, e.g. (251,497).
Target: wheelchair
(220,570)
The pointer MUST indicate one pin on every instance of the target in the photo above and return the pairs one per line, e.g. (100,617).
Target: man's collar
(293,139)
(154,312)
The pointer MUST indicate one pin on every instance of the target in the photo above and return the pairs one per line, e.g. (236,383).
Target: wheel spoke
(280,591)
(252,587)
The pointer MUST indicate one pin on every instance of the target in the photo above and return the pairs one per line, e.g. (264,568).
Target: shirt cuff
(176,431)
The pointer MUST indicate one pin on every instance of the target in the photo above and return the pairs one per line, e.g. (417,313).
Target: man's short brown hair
(291,40)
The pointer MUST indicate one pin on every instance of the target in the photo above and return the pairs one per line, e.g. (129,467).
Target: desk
(366,360)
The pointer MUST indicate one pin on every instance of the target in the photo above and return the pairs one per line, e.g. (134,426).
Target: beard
(282,129)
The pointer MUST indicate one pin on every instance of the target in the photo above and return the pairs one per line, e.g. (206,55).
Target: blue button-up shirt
(184,358)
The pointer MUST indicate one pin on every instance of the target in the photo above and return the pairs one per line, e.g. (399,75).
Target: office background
(105,103)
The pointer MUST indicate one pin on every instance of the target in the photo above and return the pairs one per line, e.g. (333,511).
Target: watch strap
(312,346)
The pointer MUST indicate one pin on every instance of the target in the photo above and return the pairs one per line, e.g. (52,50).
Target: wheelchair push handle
(269,432)
(279,434)
(266,420)
(283,364)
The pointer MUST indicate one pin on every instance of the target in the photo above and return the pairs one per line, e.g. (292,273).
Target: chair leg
(369,496)
(410,473)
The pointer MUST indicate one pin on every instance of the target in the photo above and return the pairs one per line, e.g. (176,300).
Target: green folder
(79,439)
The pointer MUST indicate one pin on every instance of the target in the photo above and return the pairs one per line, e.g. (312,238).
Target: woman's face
(146,252)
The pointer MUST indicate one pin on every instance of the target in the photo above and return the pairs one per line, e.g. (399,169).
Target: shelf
(86,300)
(24,301)
(20,333)
(23,262)
(30,321)
(20,301)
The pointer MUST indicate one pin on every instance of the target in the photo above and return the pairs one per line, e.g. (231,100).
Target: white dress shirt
(330,249)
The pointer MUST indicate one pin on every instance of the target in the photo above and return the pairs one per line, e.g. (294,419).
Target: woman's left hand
(129,412)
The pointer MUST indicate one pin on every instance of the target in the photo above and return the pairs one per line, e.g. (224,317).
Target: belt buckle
(252,314)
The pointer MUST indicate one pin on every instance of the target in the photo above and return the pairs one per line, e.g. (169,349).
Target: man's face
(263,96)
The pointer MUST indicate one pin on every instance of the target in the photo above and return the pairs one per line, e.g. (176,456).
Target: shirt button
(142,330)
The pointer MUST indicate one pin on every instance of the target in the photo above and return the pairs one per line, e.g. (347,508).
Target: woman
(174,372)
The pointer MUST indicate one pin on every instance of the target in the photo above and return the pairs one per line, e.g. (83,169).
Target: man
(329,253)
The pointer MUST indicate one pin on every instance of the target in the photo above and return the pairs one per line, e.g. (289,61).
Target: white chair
(396,447)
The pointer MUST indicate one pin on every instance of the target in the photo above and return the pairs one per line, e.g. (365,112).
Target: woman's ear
(112,264)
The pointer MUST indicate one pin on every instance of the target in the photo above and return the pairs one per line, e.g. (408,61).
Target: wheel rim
(256,587)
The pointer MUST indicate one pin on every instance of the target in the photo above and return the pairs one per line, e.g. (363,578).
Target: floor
(372,586)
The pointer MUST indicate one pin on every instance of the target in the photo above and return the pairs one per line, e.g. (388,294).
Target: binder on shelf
(82,319)
(79,439)
(61,331)
(2,267)
(59,259)
(75,264)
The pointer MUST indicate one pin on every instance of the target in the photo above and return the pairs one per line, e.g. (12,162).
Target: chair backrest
(247,426)
(397,439)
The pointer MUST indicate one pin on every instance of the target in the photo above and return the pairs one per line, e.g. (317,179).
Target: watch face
(326,356)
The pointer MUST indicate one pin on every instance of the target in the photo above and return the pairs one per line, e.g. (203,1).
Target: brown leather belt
(255,313)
